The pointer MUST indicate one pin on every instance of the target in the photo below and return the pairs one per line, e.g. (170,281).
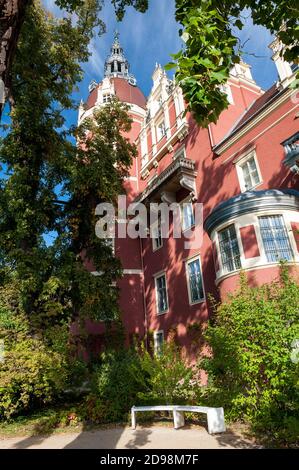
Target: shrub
(168,378)
(30,375)
(250,371)
(115,386)
(37,366)
(128,377)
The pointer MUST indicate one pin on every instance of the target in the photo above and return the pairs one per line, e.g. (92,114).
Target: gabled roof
(256,107)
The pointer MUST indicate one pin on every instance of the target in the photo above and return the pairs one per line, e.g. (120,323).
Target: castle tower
(119,82)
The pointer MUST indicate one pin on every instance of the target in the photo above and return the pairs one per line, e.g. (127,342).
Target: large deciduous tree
(40,160)
(12,17)
(12,14)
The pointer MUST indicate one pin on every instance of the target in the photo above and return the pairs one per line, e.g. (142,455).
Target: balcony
(291,148)
(179,174)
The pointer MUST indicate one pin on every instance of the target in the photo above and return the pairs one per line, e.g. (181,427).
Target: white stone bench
(215,416)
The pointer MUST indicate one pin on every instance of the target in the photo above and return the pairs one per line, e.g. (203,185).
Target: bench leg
(216,420)
(178,419)
(133,419)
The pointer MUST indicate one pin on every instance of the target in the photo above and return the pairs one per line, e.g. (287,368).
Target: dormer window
(107,97)
(248,171)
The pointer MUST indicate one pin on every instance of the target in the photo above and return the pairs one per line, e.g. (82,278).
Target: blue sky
(151,37)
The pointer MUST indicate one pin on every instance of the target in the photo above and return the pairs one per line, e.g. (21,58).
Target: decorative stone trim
(183,166)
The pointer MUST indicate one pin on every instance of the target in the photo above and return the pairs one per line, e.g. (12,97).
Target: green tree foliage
(212,47)
(95,176)
(40,158)
(251,372)
(115,386)
(32,371)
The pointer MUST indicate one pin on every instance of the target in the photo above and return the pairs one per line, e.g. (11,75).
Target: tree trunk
(12,14)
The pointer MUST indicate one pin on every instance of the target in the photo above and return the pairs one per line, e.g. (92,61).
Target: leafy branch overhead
(211,46)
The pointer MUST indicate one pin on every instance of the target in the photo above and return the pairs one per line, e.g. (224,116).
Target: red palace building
(245,172)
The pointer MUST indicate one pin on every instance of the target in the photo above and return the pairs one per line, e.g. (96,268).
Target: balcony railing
(179,174)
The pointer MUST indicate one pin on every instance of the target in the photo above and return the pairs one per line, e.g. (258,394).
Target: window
(195,284)
(187,215)
(107,97)
(161,293)
(248,172)
(143,145)
(156,236)
(229,249)
(158,341)
(161,130)
(275,238)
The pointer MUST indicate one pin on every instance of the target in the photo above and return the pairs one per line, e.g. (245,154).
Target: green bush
(30,375)
(36,366)
(251,372)
(168,378)
(130,377)
(115,384)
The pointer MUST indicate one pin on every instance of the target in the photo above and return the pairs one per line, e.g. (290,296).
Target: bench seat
(215,416)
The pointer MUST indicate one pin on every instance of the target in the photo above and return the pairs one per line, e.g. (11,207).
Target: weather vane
(116,35)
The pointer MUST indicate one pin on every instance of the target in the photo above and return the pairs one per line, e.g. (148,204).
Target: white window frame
(240,163)
(180,153)
(153,227)
(187,200)
(160,101)
(159,134)
(156,344)
(143,148)
(287,231)
(187,262)
(240,247)
(106,97)
(157,276)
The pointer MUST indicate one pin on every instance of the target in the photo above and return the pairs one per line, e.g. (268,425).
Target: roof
(125,92)
(92,98)
(256,107)
(252,201)
(128,93)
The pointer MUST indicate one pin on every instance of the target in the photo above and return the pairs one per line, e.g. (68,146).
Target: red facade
(243,170)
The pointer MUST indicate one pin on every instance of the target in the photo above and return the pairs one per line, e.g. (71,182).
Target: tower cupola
(116,65)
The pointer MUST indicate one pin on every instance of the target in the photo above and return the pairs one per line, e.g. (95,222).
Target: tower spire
(116,65)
